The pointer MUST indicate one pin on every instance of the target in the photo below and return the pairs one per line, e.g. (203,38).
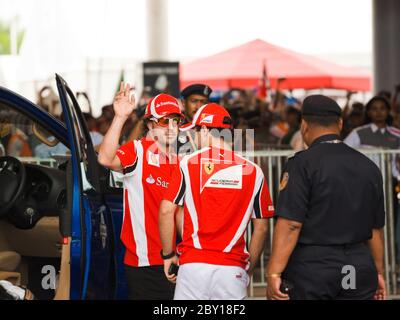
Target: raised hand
(349,94)
(124,102)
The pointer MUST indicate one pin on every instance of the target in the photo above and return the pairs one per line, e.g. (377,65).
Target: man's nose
(172,125)
(199,104)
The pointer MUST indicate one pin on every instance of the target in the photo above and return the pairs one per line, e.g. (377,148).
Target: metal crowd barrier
(272,163)
(49,162)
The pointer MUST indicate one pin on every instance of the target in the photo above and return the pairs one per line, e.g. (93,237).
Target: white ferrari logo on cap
(207,118)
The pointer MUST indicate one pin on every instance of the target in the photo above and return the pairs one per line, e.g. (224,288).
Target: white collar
(375,128)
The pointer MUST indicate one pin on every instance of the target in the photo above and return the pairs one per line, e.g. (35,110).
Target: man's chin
(167,142)
(170,140)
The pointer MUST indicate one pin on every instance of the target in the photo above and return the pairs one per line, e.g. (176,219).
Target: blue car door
(92,260)
(114,201)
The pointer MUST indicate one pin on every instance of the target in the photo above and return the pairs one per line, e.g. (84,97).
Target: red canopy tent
(242,67)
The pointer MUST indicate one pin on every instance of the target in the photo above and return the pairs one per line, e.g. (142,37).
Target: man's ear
(303,126)
(183,103)
(150,125)
(340,124)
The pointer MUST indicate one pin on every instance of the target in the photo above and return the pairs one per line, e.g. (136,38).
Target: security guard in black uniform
(328,239)
(193,97)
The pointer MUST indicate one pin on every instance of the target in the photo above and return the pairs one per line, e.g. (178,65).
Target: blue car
(60,211)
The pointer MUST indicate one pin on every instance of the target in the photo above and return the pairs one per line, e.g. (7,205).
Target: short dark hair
(322,121)
(377,98)
(215,132)
(145,128)
(389,119)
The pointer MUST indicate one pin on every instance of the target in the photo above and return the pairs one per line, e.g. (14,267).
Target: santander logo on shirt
(150,179)
(159,182)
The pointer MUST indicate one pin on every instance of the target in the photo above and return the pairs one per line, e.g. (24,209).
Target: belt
(343,246)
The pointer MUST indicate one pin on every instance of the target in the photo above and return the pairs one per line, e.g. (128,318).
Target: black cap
(319,105)
(197,88)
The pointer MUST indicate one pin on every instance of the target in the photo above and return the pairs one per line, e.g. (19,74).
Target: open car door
(92,265)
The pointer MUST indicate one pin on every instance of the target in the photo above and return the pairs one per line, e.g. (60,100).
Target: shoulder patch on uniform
(182,138)
(284,181)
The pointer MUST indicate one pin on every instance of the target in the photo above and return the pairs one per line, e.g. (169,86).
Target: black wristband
(167,256)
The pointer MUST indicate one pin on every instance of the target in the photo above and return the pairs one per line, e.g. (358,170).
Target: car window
(79,133)
(23,138)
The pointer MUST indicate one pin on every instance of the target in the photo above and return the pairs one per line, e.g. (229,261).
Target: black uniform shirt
(335,191)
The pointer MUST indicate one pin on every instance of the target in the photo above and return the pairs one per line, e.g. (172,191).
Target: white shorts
(202,281)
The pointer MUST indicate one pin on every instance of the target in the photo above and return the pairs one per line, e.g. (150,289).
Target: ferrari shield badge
(209,167)
(284,181)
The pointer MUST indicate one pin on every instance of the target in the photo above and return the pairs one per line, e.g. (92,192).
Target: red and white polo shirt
(147,173)
(221,192)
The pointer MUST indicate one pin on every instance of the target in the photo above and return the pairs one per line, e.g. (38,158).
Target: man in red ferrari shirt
(147,165)
(221,192)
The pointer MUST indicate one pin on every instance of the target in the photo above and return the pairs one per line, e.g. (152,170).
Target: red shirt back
(221,192)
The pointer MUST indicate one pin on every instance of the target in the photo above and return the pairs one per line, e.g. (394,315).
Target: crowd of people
(276,123)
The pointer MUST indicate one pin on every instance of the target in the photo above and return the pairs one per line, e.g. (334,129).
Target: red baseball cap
(211,115)
(162,105)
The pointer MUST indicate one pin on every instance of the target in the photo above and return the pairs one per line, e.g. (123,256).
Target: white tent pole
(157,30)
(101,60)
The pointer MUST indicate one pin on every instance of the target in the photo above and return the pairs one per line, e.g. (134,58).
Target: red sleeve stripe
(181,191)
